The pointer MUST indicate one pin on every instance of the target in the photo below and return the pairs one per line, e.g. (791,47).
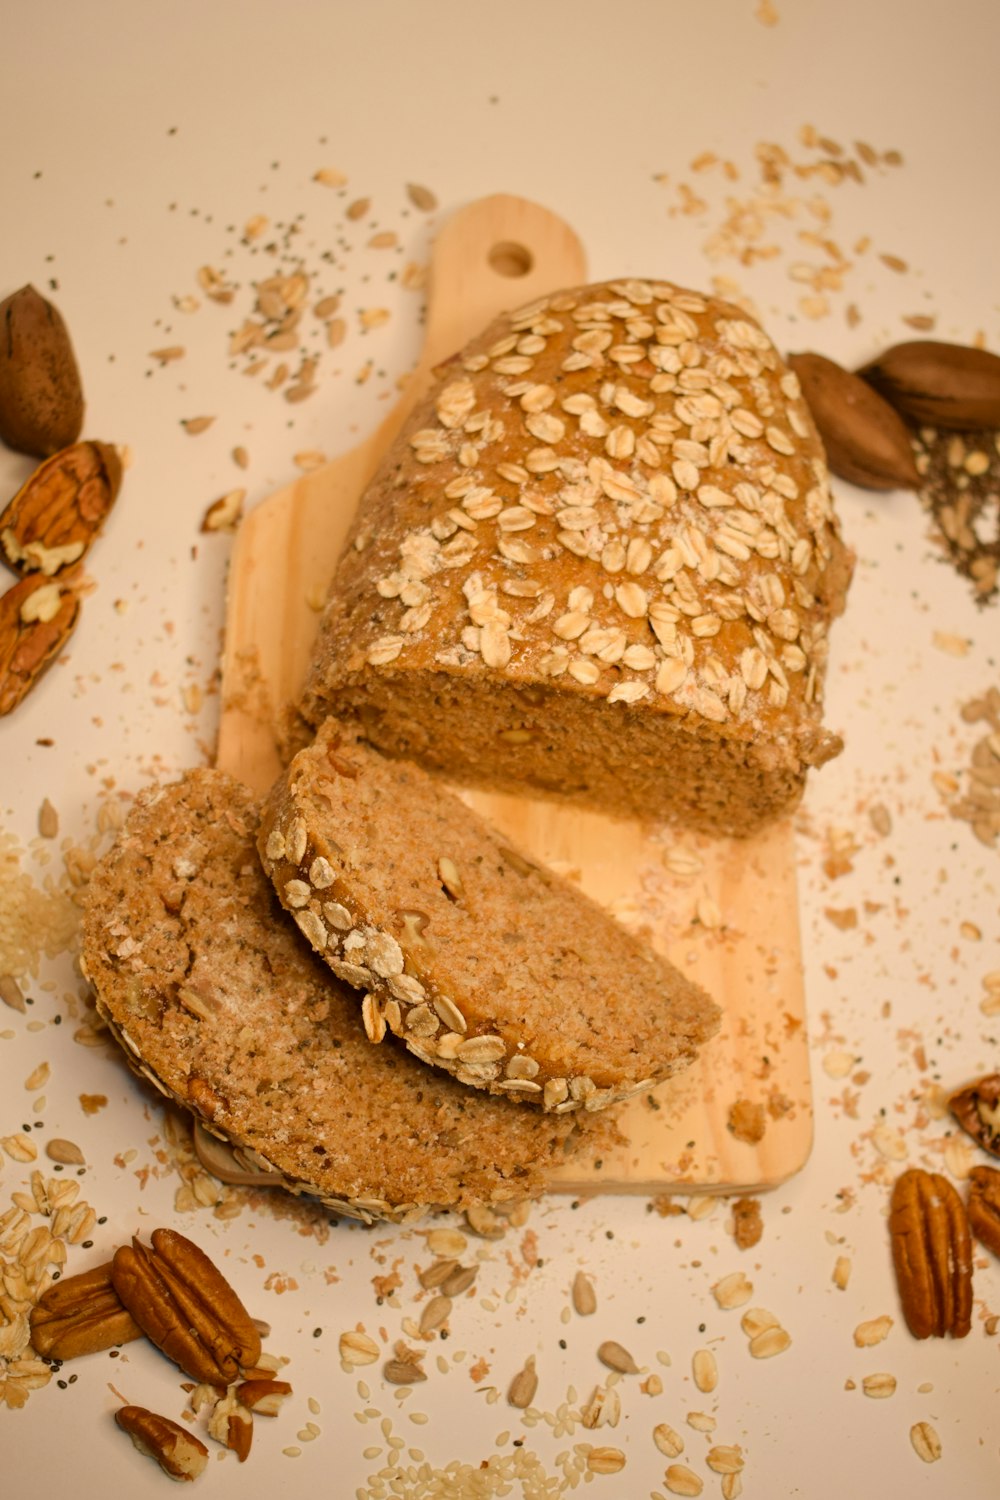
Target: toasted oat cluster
(600,561)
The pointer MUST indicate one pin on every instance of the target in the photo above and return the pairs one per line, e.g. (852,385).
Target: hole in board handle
(510,259)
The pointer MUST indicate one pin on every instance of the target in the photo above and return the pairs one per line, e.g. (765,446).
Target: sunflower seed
(616,1358)
(583,1294)
(521,1391)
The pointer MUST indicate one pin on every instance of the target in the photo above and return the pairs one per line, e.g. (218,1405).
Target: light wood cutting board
(495,254)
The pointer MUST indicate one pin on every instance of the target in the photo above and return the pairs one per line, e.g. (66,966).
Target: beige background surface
(140,143)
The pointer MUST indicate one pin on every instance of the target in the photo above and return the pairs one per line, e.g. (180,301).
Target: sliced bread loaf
(601,560)
(217,1001)
(485,963)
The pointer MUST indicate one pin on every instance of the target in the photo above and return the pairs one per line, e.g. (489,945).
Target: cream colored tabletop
(832,168)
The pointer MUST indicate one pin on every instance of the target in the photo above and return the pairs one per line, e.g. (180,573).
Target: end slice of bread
(485,963)
(219,1003)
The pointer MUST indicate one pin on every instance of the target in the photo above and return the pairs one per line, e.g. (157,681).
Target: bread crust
(219,1004)
(600,561)
(484,962)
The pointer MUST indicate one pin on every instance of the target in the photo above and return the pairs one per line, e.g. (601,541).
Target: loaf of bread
(485,963)
(217,1001)
(600,561)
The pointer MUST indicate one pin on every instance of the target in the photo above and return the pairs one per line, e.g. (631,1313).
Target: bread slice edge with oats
(218,1003)
(484,962)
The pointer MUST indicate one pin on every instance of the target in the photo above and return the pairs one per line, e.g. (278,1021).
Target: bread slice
(218,1002)
(601,560)
(485,963)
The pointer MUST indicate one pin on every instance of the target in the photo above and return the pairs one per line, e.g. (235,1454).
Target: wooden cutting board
(725,911)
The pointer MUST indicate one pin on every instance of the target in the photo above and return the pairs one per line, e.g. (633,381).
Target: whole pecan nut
(977,1110)
(984,1206)
(178,1452)
(932,1255)
(186,1307)
(59,510)
(81,1315)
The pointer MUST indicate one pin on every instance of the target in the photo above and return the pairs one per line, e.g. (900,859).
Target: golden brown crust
(216,1000)
(613,509)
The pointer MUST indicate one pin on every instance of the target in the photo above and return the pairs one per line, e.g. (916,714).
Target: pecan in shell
(932,1255)
(984,1207)
(81,1315)
(60,509)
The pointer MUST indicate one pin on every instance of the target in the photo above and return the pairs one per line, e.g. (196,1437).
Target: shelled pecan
(932,1255)
(186,1307)
(37,617)
(81,1315)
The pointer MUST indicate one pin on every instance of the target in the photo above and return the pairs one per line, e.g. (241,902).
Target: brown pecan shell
(984,1206)
(60,509)
(37,617)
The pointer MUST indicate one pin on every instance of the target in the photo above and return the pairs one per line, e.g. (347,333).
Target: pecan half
(59,510)
(186,1307)
(932,1255)
(177,1451)
(984,1206)
(37,618)
(977,1110)
(81,1315)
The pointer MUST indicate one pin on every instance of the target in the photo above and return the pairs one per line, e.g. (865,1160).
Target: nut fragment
(41,398)
(358,1348)
(37,618)
(81,1315)
(177,1451)
(932,1255)
(60,509)
(263,1397)
(977,1109)
(866,441)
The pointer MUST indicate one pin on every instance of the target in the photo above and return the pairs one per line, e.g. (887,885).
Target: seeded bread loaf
(217,1000)
(600,561)
(485,963)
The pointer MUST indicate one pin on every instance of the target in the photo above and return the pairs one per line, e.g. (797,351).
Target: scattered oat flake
(842,1272)
(330,177)
(733,1290)
(926,1443)
(385,239)
(894,262)
(358,208)
(309,458)
(193,425)
(165,356)
(873,1331)
(680,1480)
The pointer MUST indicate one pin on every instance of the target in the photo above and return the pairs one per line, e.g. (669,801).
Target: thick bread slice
(601,560)
(218,1001)
(483,962)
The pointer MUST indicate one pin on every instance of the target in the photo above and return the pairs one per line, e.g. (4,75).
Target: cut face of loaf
(216,999)
(601,562)
(485,963)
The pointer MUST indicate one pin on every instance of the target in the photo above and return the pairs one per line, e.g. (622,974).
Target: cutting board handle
(497,253)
